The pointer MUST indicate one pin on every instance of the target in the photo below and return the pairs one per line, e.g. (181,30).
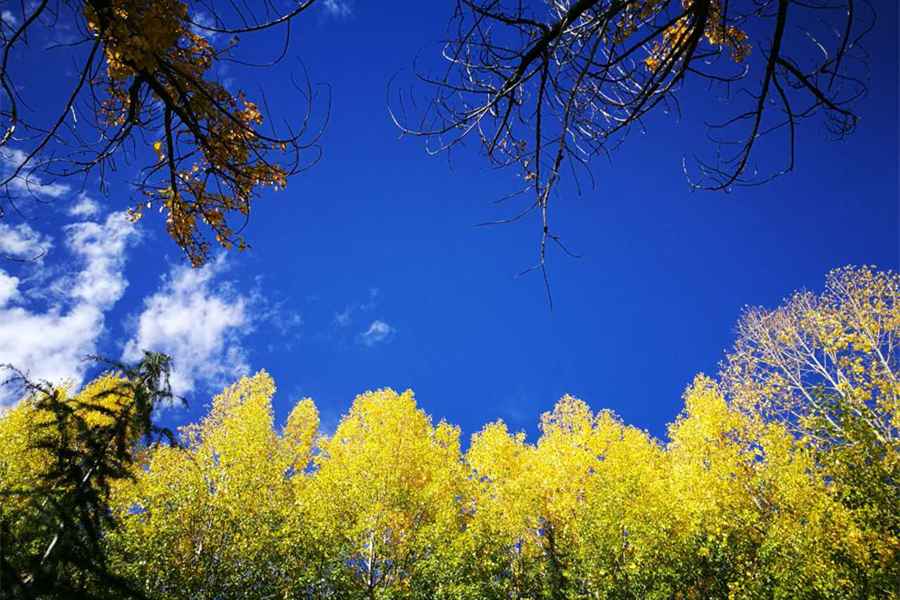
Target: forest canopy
(778,479)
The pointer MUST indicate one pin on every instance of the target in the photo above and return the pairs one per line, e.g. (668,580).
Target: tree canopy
(770,484)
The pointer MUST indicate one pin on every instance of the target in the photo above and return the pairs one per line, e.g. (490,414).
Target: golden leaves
(759,491)
(300,433)
(151,44)
(590,502)
(716,30)
(840,343)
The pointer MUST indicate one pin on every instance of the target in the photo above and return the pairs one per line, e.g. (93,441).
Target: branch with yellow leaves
(149,80)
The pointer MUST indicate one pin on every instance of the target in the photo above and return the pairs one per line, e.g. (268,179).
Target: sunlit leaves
(399,480)
(212,159)
(62,455)
(209,518)
(779,482)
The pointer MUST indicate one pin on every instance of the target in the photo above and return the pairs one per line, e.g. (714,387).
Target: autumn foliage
(152,45)
(149,85)
(779,479)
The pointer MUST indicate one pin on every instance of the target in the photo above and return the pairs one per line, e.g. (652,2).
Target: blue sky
(368,272)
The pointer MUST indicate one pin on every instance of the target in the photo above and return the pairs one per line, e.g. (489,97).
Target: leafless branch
(550,82)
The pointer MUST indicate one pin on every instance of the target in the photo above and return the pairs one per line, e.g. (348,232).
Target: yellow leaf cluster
(151,44)
(716,30)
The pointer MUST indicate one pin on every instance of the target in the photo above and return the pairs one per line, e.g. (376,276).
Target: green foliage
(60,456)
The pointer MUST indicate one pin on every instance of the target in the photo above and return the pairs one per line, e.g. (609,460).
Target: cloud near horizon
(66,305)
(54,317)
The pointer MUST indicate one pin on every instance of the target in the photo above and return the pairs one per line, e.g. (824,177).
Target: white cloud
(198,324)
(51,344)
(201,23)
(85,206)
(338,8)
(27,182)
(54,317)
(9,288)
(378,332)
(22,242)
(102,247)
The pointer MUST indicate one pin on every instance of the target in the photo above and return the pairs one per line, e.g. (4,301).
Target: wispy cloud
(84,206)
(8,19)
(28,183)
(22,242)
(345,317)
(278,313)
(338,8)
(378,332)
(201,23)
